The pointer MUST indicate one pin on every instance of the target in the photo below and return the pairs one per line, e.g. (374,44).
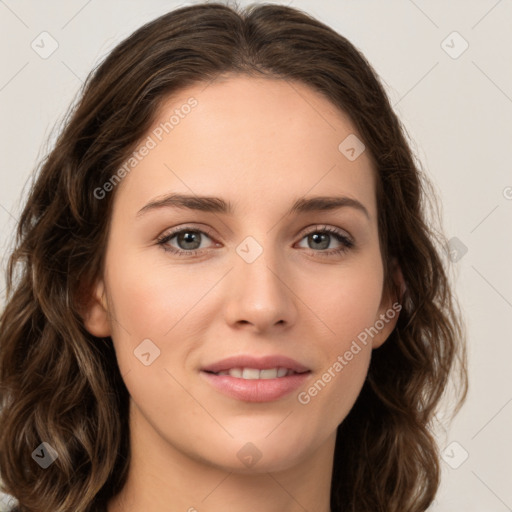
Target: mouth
(246,366)
(256,388)
(256,379)
(255,373)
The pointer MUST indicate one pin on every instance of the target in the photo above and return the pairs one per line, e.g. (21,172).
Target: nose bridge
(258,291)
(258,263)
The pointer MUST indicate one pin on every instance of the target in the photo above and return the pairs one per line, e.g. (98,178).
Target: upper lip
(259,363)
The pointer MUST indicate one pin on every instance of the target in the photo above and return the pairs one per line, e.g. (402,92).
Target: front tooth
(250,373)
(254,373)
(270,373)
(235,372)
(281,372)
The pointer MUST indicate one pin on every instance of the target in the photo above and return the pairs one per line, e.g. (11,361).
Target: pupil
(188,238)
(317,238)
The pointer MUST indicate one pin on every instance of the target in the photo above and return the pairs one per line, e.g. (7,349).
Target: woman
(293,356)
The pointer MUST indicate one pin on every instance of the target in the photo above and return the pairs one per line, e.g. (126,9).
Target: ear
(389,308)
(94,311)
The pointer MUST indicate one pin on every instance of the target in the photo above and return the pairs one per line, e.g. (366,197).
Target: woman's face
(264,282)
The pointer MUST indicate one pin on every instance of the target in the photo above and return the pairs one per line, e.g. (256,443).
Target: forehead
(250,140)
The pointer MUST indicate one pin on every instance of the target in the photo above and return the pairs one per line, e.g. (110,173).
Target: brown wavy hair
(61,385)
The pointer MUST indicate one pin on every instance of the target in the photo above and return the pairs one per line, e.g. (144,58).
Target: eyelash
(347,244)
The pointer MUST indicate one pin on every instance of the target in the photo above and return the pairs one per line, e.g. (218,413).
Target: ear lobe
(390,307)
(94,312)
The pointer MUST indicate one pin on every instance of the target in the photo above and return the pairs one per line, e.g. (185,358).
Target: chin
(260,455)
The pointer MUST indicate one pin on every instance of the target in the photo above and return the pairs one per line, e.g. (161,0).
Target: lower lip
(256,390)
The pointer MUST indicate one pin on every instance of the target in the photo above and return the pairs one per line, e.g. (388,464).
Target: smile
(254,373)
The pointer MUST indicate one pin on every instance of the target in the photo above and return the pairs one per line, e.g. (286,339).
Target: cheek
(344,300)
(149,329)
(158,303)
(348,380)
(151,299)
(341,303)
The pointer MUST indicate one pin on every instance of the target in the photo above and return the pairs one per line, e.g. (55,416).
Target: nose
(259,295)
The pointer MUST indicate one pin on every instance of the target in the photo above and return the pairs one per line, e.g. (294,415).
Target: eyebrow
(218,205)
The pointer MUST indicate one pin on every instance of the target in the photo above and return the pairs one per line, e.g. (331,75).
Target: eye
(189,241)
(322,236)
(187,237)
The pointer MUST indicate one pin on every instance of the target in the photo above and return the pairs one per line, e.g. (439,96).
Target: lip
(256,390)
(259,363)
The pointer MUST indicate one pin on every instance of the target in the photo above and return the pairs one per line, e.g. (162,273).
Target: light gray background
(457,112)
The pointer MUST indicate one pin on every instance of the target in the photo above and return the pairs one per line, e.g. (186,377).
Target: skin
(260,144)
